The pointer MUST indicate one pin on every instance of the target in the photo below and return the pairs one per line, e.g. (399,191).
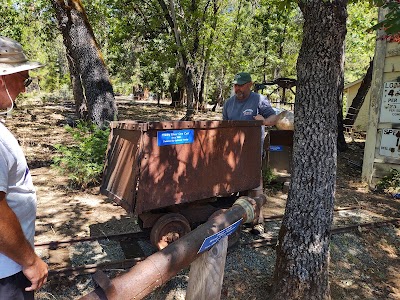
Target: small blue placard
(175,137)
(275,148)
(213,239)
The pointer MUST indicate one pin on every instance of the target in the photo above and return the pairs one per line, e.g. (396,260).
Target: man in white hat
(21,270)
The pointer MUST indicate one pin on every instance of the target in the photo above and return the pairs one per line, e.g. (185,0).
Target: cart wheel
(168,229)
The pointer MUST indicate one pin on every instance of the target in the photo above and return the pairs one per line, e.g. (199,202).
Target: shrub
(268,176)
(390,183)
(83,161)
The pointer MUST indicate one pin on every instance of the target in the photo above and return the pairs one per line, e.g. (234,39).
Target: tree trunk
(202,85)
(341,141)
(205,71)
(358,100)
(186,68)
(301,270)
(85,53)
(190,92)
(77,90)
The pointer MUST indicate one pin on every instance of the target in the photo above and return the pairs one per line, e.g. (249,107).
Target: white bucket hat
(13,59)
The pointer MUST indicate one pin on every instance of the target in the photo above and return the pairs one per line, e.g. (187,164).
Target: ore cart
(173,174)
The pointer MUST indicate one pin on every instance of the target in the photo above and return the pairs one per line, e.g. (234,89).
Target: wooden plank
(383,169)
(392,76)
(393,49)
(207,273)
(392,64)
(386,160)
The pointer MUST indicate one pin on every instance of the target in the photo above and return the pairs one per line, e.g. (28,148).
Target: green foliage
(32,24)
(268,176)
(360,42)
(391,24)
(390,183)
(278,33)
(83,161)
(262,37)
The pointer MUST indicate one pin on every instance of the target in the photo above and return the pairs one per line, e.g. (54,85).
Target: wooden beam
(375,103)
(207,273)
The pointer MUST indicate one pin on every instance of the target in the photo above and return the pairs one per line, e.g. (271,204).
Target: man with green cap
(246,105)
(21,270)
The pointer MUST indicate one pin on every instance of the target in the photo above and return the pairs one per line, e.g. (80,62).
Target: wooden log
(207,273)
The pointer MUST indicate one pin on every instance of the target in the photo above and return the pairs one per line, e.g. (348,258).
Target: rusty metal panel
(121,167)
(223,158)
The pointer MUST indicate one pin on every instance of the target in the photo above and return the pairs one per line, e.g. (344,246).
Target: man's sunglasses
(27,81)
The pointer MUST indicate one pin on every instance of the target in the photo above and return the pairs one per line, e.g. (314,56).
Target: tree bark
(206,60)
(301,270)
(341,141)
(358,100)
(85,53)
(77,90)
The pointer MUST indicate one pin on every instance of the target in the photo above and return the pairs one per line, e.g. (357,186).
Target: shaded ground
(364,264)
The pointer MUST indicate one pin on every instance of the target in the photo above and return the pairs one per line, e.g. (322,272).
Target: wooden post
(375,103)
(207,273)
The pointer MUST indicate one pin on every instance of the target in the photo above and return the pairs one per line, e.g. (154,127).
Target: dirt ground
(365,264)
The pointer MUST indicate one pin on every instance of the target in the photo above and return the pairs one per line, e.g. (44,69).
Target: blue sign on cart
(216,237)
(175,137)
(275,148)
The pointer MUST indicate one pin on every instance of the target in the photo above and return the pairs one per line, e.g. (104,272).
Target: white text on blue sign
(216,237)
(175,137)
(275,148)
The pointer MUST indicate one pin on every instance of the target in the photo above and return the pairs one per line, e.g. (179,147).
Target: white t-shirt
(16,182)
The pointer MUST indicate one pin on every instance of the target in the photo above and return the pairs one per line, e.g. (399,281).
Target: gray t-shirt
(246,110)
(255,104)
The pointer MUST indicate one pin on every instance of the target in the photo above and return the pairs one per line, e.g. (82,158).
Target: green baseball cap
(242,78)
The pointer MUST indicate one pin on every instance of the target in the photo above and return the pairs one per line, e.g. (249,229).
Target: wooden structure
(382,147)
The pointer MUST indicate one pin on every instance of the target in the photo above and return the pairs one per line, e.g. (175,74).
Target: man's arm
(14,245)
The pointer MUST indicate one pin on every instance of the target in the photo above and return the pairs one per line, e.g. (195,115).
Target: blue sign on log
(175,137)
(213,239)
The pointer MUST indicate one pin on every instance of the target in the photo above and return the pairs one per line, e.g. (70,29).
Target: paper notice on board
(390,143)
(390,106)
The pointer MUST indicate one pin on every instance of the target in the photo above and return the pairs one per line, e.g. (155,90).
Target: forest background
(219,39)
(192,49)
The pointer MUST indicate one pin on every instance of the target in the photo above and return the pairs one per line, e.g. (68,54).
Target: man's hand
(14,245)
(259,118)
(270,121)
(36,274)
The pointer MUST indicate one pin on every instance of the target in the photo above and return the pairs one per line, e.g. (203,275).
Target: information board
(175,137)
(390,143)
(390,107)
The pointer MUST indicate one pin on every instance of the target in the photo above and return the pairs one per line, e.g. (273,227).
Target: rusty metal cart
(169,173)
